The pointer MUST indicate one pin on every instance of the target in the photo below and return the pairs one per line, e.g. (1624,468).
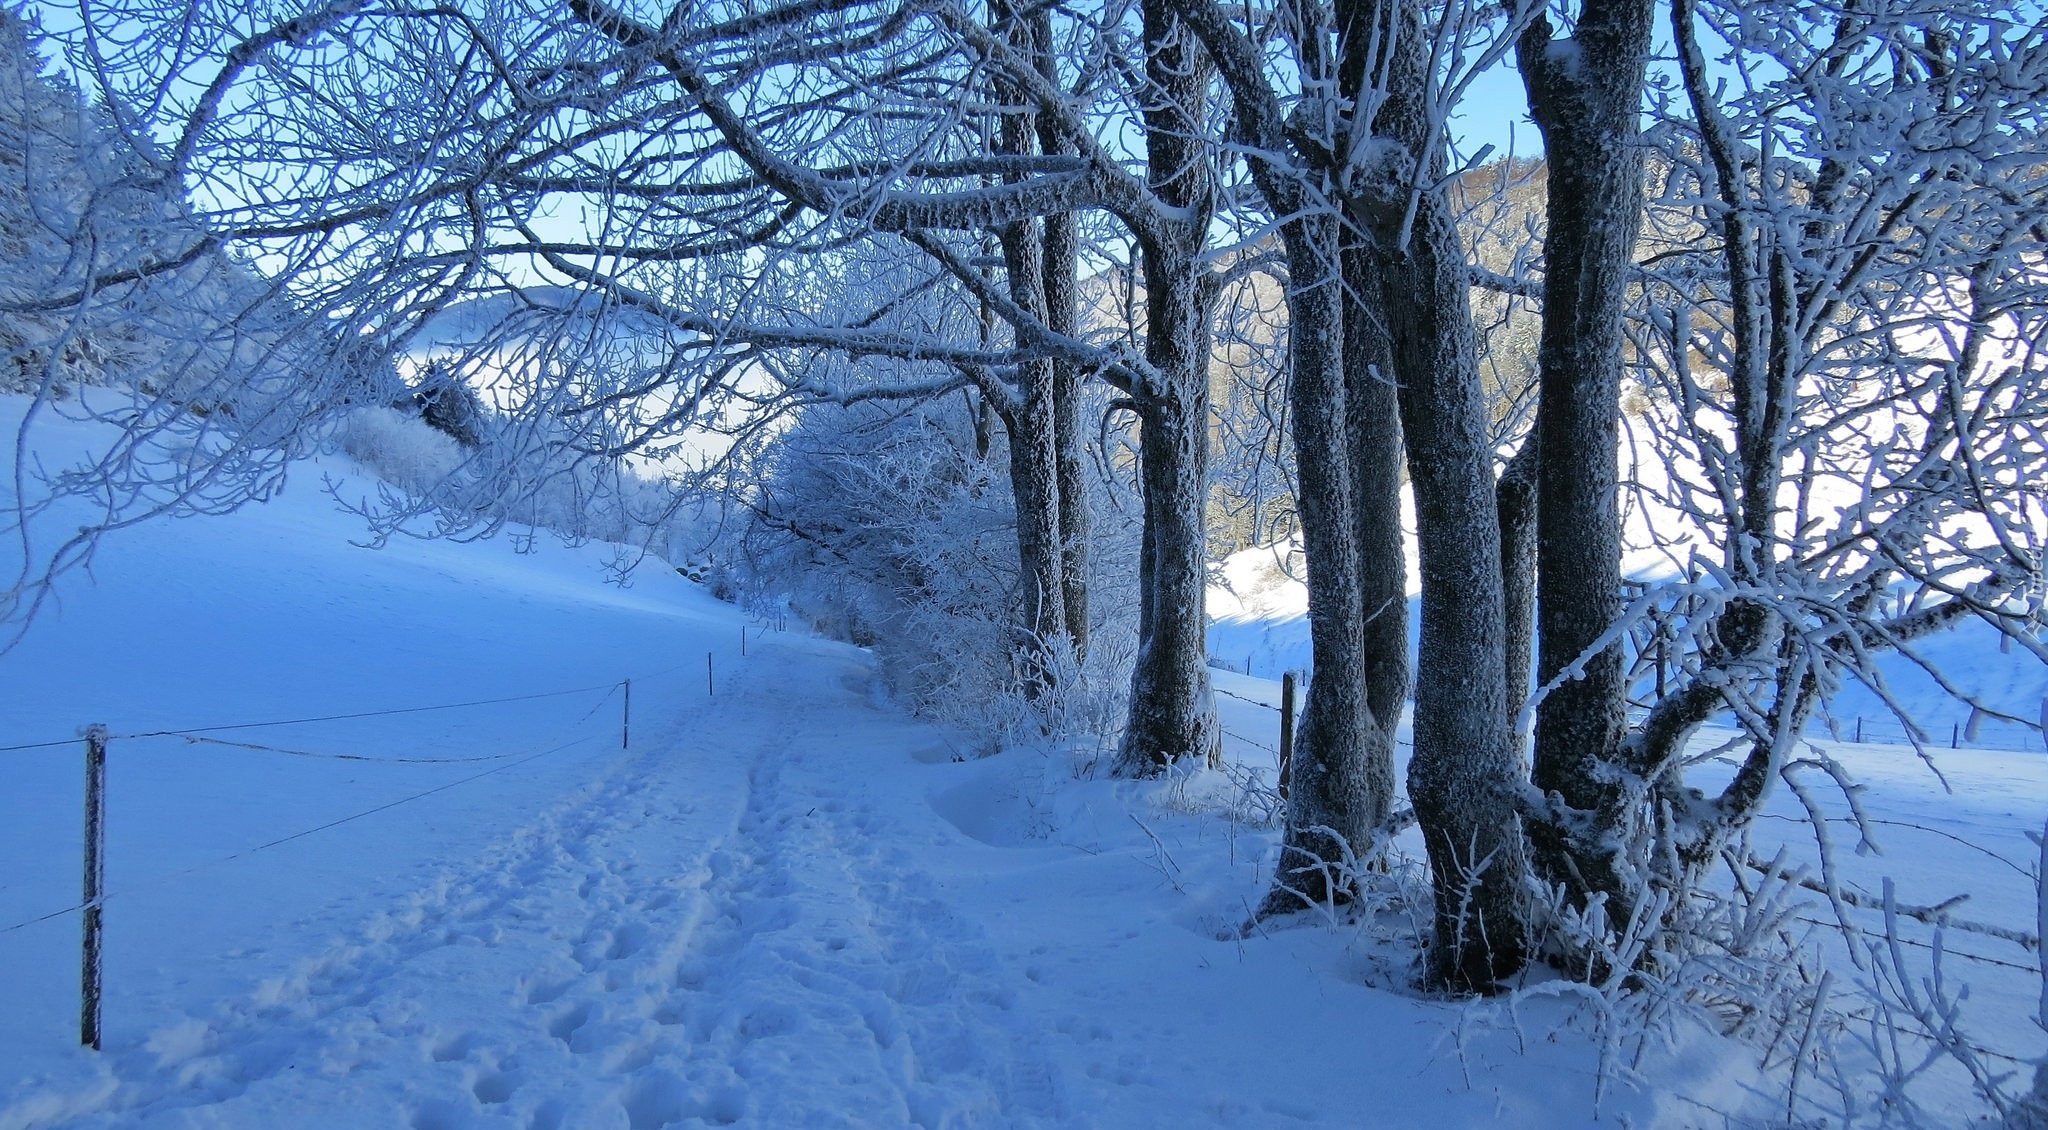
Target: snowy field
(786,904)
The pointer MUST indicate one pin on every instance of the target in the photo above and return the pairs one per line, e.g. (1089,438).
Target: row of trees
(1799,259)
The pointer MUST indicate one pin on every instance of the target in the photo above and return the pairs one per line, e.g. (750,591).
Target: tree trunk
(1034,485)
(1335,798)
(1464,774)
(1347,438)
(1061,259)
(1373,404)
(1515,499)
(1589,112)
(1035,471)
(1464,771)
(1062,316)
(1173,712)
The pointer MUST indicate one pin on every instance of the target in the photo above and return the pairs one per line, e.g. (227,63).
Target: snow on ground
(1258,608)
(787,904)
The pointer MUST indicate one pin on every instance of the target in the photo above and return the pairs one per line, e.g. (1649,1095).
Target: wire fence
(96,740)
(158,881)
(201,735)
(228,727)
(1241,698)
(1984,733)
(1253,742)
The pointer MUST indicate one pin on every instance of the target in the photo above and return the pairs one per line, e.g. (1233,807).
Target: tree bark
(1033,264)
(1034,482)
(1515,499)
(1061,261)
(1464,771)
(1173,711)
(1347,438)
(1373,404)
(1062,316)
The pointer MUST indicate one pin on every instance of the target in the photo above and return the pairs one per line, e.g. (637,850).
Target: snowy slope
(785,905)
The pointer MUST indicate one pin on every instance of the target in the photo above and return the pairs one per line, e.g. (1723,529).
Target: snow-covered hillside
(1258,608)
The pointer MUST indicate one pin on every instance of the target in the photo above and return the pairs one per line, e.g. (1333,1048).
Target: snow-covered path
(789,906)
(710,933)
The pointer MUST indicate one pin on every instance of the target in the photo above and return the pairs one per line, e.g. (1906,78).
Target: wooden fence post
(1286,730)
(626,719)
(95,883)
(709,687)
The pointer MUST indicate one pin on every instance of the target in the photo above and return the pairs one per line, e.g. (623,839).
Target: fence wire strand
(199,735)
(1241,698)
(609,689)
(362,714)
(161,880)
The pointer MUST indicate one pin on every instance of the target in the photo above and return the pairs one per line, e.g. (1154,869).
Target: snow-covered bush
(507,474)
(400,448)
(889,527)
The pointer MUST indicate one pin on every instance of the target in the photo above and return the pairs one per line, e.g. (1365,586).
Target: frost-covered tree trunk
(1347,440)
(1062,256)
(1372,408)
(1839,255)
(1173,711)
(1404,277)
(1586,92)
(1464,771)
(1035,485)
(1062,316)
(1515,501)
(1464,774)
(1331,789)
(1348,455)
(1037,473)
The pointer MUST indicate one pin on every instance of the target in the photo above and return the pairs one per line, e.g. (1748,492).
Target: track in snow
(711,933)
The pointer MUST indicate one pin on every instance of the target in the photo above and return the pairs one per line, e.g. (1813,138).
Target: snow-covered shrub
(398,448)
(510,474)
(448,405)
(889,527)
(883,526)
